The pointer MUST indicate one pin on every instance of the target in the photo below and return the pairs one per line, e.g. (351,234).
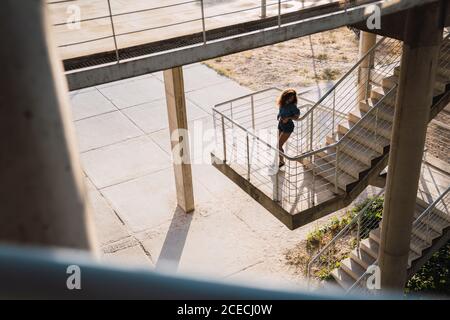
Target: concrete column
(423,35)
(366,41)
(42,194)
(176,110)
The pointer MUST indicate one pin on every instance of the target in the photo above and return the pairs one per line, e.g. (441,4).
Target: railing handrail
(309,153)
(360,278)
(344,77)
(431,206)
(339,234)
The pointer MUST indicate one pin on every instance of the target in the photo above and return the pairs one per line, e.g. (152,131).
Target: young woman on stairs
(288,111)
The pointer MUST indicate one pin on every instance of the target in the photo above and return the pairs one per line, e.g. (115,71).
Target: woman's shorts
(286,127)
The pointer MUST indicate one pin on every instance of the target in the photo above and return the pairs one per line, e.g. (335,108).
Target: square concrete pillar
(422,40)
(178,127)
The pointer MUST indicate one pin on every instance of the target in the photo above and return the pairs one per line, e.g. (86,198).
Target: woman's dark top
(286,111)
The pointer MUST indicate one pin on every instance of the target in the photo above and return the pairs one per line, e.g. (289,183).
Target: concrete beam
(42,195)
(166,60)
(422,40)
(178,128)
(393,25)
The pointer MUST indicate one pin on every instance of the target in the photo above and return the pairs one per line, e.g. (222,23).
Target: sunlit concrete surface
(123,136)
(166,19)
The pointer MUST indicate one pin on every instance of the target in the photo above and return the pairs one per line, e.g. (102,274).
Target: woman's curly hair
(287,96)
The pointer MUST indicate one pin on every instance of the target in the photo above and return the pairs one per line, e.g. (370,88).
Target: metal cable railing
(426,227)
(346,240)
(348,133)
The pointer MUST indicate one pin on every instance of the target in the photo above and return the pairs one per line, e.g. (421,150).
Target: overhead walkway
(119,43)
(340,145)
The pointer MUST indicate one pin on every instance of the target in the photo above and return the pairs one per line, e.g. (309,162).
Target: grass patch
(322,57)
(328,74)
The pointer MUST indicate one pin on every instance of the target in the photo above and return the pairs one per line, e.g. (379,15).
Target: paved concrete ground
(123,137)
(124,144)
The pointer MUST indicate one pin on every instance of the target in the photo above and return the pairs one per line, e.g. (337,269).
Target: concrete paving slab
(104,130)
(201,140)
(198,76)
(150,200)
(207,97)
(123,161)
(215,245)
(270,273)
(152,116)
(132,256)
(108,227)
(89,103)
(131,93)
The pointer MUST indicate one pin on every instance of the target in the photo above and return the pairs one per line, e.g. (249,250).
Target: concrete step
(441,214)
(363,258)
(425,232)
(371,122)
(385,111)
(412,256)
(417,244)
(342,278)
(348,164)
(435,221)
(378,93)
(353,149)
(327,171)
(352,268)
(439,84)
(370,247)
(443,75)
(365,137)
(375,235)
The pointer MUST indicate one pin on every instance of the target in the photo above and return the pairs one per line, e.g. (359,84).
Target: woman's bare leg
(282,138)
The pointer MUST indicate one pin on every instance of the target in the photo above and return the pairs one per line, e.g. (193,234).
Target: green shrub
(372,215)
(434,276)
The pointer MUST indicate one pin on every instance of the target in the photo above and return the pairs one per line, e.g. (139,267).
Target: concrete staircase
(428,234)
(371,141)
(337,156)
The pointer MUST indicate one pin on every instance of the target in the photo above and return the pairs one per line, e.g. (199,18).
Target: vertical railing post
(313,180)
(334,113)
(252,101)
(224,140)
(248,158)
(311,126)
(263,9)
(279,13)
(203,21)
(336,171)
(428,226)
(113,32)
(358,235)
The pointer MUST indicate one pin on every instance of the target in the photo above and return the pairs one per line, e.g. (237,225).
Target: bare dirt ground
(296,63)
